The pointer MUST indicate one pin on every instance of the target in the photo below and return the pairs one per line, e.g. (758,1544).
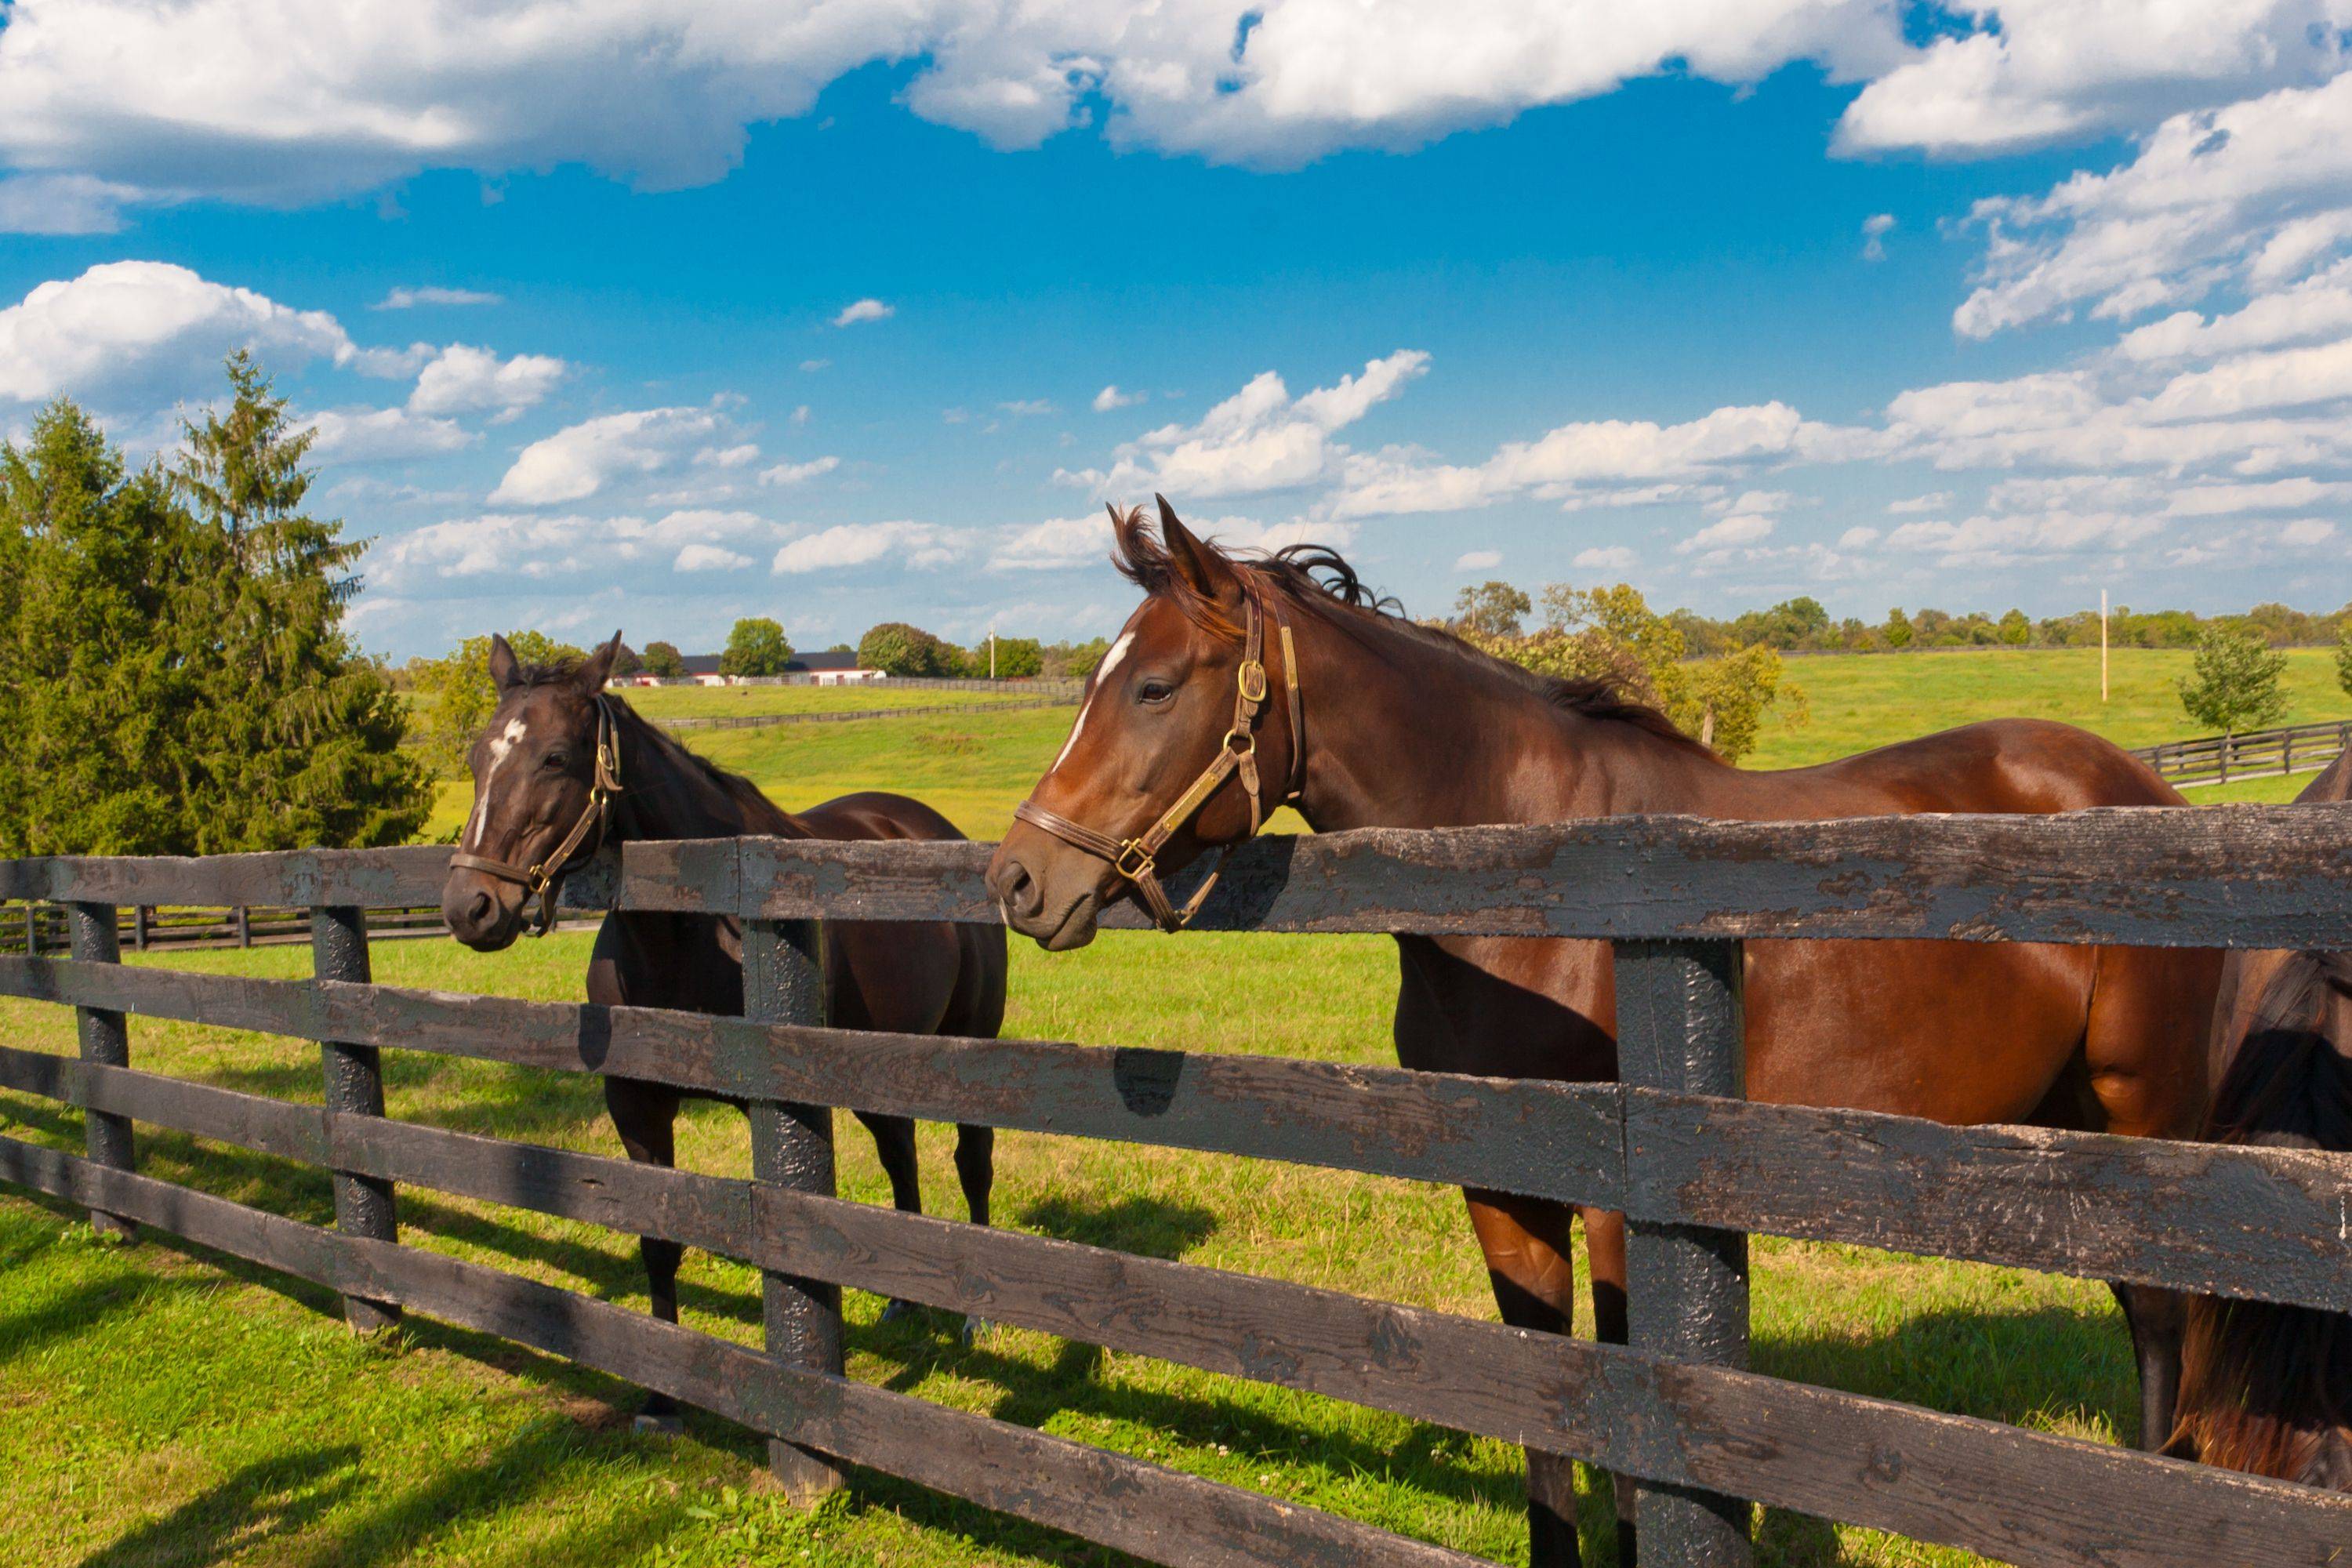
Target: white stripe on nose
(501,743)
(1102,679)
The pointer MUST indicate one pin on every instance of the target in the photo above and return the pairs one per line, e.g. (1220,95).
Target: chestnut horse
(1366,720)
(564,767)
(2266,1387)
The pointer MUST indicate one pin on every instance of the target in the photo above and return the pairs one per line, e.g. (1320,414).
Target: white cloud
(1933,501)
(581,460)
(1997,541)
(1260,438)
(1111,397)
(863,310)
(798,473)
(408,298)
(1054,544)
(709,558)
(1477,560)
(2317,307)
(2305,532)
(1860,537)
(64,204)
(1027,407)
(811,366)
(379,434)
(462,379)
(921,545)
(1605,558)
(149,331)
(733,456)
(1740,528)
(1874,229)
(2037,70)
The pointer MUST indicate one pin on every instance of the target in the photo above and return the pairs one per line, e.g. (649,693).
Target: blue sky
(1877,303)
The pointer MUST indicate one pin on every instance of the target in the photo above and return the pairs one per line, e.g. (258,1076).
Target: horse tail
(2267,1388)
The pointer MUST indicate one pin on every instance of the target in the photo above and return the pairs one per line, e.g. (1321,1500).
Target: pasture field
(162,1407)
(736,702)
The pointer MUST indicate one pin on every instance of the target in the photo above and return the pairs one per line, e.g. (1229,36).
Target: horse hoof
(652,1425)
(974,1329)
(896,1310)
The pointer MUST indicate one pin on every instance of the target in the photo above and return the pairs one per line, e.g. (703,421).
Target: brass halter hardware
(1135,859)
(541,879)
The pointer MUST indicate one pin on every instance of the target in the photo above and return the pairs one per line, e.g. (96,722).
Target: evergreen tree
(93,695)
(298,731)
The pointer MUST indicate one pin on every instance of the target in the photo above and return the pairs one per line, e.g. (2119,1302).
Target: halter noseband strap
(1135,859)
(541,879)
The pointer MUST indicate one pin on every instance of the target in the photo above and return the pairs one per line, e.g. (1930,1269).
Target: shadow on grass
(281,1496)
(1141,1225)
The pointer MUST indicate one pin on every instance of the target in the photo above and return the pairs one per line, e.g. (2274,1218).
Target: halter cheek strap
(1135,859)
(541,879)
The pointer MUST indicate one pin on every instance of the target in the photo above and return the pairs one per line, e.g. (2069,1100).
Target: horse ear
(1208,573)
(506,670)
(598,668)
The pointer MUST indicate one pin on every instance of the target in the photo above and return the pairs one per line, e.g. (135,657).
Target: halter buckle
(1253,671)
(1133,849)
(1248,743)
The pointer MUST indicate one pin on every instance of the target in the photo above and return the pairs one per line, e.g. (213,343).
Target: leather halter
(1135,858)
(544,877)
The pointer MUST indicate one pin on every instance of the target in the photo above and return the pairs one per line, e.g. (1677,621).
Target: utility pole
(992,653)
(2103,645)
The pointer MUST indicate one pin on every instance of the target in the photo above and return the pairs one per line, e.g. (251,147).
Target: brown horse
(1399,725)
(563,768)
(2266,1387)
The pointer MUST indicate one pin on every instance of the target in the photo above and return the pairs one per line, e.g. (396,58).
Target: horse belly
(1956,1032)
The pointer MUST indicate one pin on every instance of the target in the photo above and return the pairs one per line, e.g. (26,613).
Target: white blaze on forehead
(1102,679)
(500,744)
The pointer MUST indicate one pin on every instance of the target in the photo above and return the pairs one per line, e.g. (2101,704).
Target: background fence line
(1693,1165)
(2253,754)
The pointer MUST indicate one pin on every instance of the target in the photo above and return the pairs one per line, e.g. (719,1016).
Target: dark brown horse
(2264,1387)
(564,767)
(1399,725)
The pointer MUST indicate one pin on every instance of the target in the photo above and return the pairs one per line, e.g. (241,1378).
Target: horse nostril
(478,911)
(1017,890)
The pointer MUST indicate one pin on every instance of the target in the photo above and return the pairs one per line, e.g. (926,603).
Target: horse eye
(1154,691)
(556,761)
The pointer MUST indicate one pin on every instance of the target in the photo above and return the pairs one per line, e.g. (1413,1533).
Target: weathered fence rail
(36,928)
(2255,755)
(1695,1167)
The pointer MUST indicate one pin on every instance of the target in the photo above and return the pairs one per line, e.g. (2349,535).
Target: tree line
(175,677)
(1802,625)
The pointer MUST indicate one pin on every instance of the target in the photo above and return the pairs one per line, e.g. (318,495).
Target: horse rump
(2267,1388)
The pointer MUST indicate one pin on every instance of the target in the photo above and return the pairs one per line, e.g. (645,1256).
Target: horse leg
(894,1139)
(645,1117)
(975,1159)
(1525,1241)
(1605,1257)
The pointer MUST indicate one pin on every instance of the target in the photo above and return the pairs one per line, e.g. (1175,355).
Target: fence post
(138,927)
(355,1079)
(244,925)
(32,929)
(1680,1028)
(105,1041)
(792,1145)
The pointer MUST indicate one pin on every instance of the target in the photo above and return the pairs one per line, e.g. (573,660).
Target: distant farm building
(802,669)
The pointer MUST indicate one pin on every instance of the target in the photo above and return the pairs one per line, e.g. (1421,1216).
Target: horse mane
(1320,580)
(2267,1388)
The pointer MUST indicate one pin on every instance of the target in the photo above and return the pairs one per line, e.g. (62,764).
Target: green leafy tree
(1018,659)
(455,695)
(95,694)
(662,659)
(756,646)
(625,661)
(1897,630)
(1075,660)
(2015,629)
(2235,683)
(298,731)
(1492,609)
(895,648)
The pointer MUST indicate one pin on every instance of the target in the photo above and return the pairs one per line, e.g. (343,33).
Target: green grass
(160,1406)
(1862,700)
(700,701)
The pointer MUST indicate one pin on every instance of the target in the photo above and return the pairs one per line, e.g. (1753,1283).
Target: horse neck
(1405,734)
(667,794)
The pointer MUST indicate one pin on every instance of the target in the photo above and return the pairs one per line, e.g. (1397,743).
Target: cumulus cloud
(863,310)
(1111,397)
(462,379)
(383,434)
(64,204)
(1477,560)
(565,548)
(1605,558)
(709,558)
(151,331)
(663,96)
(579,460)
(1874,229)
(407,299)
(1259,439)
(1740,528)
(921,545)
(798,473)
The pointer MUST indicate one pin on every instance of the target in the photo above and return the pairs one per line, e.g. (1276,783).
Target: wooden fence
(38,927)
(2256,754)
(1693,1165)
(847,716)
